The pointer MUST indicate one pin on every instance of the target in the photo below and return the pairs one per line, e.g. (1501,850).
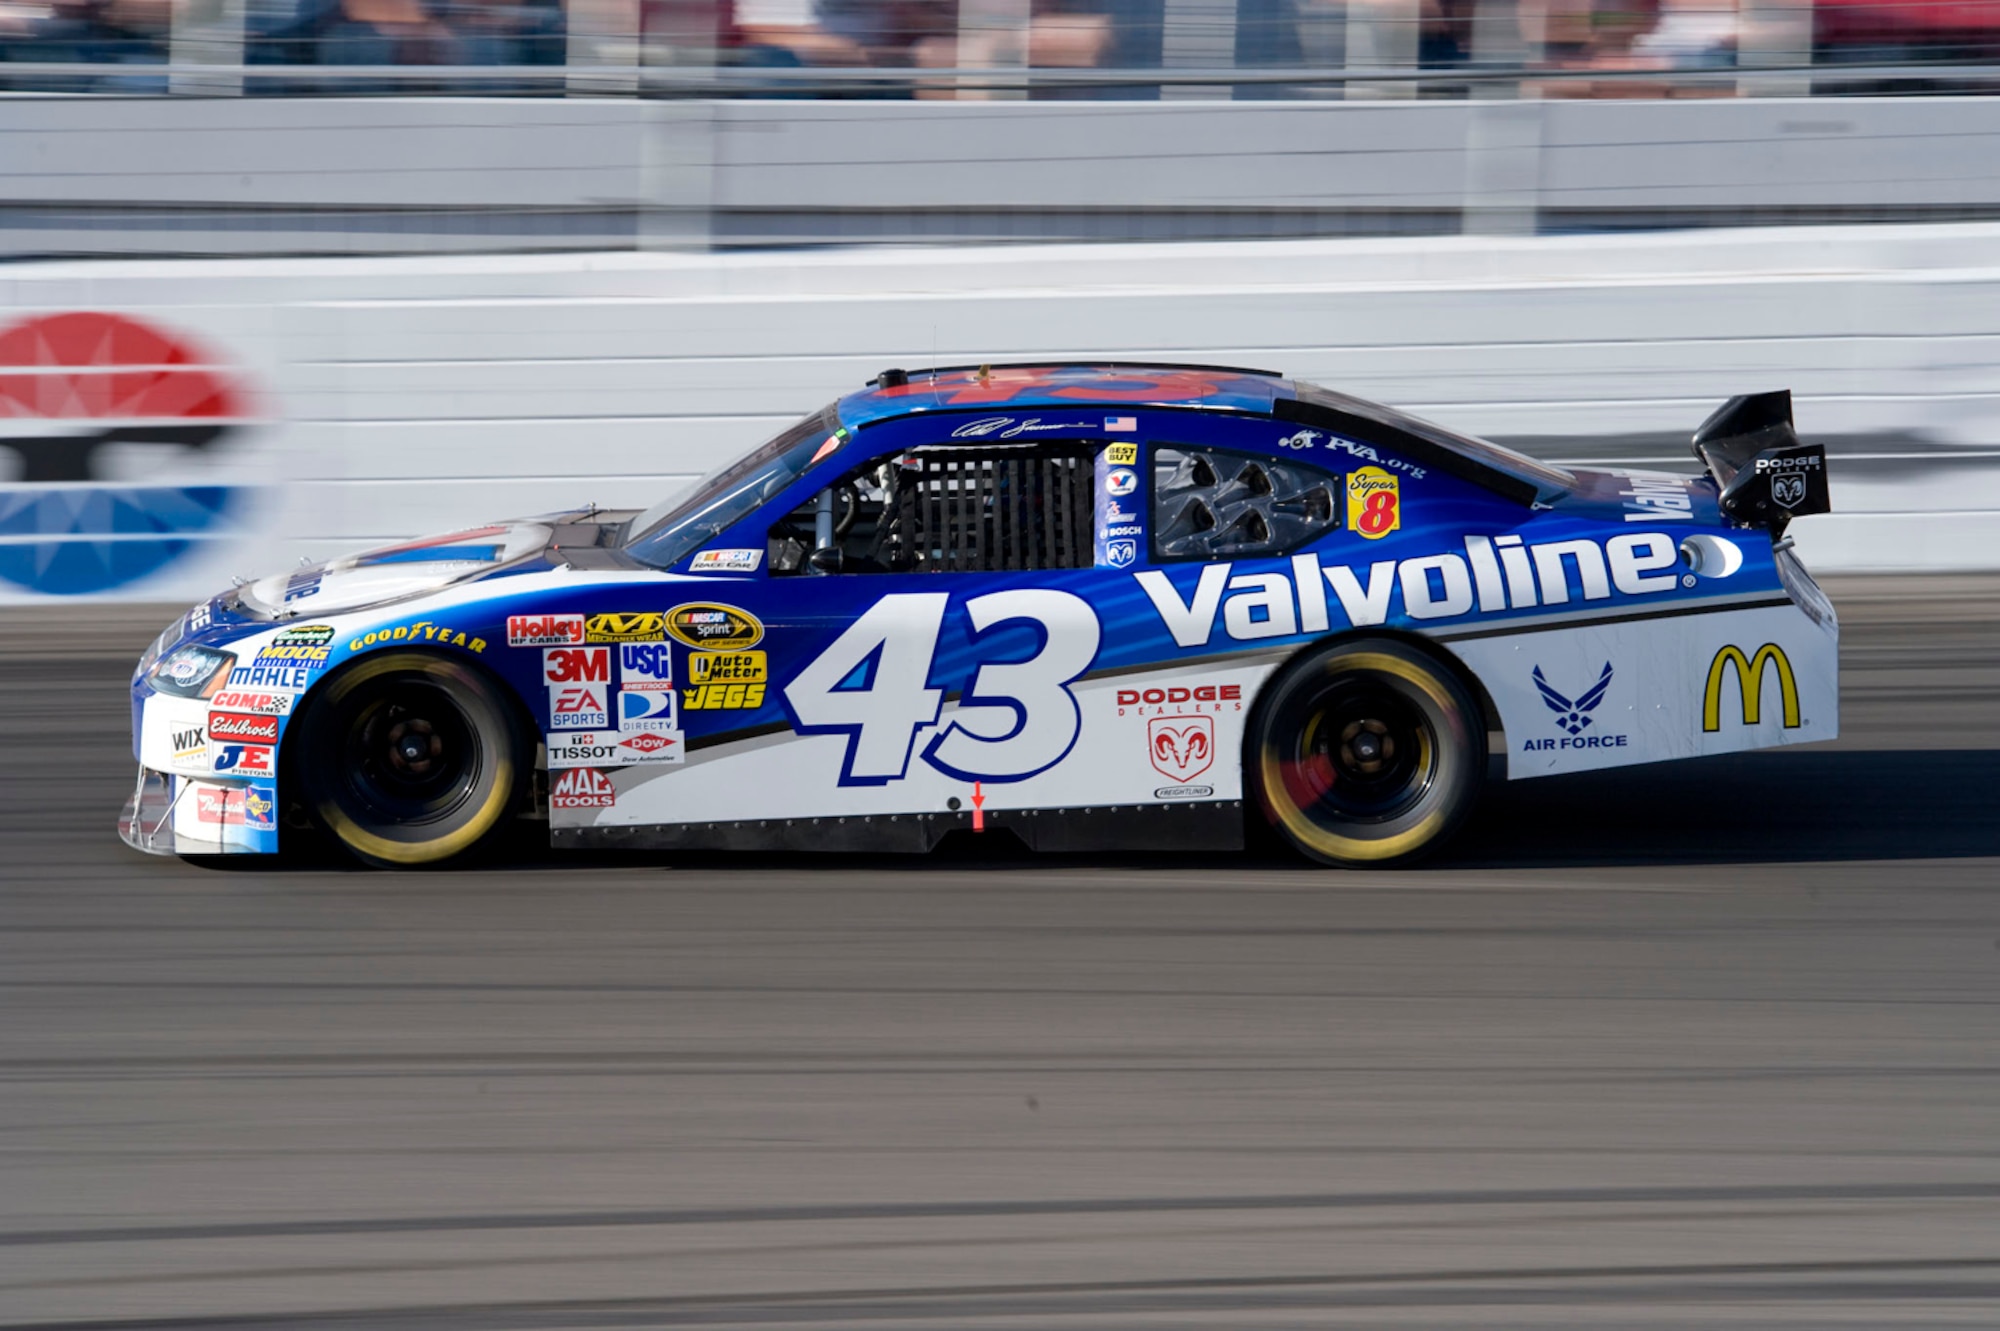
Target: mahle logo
(1750,685)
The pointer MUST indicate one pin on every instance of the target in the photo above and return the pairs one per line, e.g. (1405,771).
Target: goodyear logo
(726,668)
(1122,455)
(645,627)
(714,627)
(1750,685)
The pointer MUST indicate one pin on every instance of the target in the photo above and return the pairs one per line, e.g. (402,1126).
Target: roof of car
(1093,386)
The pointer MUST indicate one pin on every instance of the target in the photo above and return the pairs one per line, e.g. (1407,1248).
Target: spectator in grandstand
(131,33)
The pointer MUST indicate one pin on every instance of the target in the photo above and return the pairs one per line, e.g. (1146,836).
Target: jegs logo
(583,788)
(255,727)
(544,630)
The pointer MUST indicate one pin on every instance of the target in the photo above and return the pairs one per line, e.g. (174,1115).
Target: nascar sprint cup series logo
(114,436)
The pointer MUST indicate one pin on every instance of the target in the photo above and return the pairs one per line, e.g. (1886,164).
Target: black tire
(408,759)
(1366,753)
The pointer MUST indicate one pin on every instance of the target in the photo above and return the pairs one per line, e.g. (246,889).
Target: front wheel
(1366,752)
(409,759)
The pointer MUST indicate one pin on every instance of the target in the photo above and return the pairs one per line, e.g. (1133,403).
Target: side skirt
(1211,825)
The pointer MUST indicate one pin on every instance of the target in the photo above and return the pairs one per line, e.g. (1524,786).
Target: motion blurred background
(447,260)
(1703,1047)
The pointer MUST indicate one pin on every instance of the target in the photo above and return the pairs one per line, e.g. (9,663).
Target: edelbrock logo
(1497,573)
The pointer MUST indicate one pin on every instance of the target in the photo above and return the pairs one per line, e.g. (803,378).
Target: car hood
(394,572)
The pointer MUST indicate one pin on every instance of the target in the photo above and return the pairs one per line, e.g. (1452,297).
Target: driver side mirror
(826,559)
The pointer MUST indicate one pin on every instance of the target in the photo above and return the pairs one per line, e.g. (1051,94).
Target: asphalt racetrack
(1714,1045)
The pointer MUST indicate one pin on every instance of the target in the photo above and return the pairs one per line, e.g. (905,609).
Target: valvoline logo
(73,387)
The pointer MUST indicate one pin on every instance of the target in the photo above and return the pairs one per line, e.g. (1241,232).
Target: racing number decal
(1016,720)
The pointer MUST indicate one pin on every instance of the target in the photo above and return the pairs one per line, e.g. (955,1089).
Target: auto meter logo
(85,397)
(714,627)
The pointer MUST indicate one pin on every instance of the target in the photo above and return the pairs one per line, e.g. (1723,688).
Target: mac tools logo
(109,421)
(1574,716)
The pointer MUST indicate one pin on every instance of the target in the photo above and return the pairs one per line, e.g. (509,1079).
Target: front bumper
(170,814)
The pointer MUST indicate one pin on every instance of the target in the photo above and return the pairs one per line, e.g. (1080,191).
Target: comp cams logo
(1750,673)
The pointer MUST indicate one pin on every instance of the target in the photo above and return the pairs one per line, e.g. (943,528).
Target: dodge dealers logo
(1181,747)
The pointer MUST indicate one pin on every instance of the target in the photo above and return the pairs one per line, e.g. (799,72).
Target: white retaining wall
(413,395)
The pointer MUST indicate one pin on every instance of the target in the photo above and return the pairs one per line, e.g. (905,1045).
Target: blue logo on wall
(71,386)
(1574,714)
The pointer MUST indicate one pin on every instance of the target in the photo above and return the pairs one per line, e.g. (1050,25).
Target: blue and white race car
(1104,605)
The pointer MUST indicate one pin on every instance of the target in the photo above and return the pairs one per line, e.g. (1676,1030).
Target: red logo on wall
(583,788)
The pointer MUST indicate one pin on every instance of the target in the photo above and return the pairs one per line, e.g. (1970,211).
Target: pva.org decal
(77,389)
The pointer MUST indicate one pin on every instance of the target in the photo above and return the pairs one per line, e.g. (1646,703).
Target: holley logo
(1181,747)
(544,630)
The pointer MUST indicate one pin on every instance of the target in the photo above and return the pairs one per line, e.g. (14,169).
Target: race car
(1083,605)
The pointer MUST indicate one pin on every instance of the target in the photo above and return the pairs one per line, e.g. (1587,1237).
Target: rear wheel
(409,759)
(1366,753)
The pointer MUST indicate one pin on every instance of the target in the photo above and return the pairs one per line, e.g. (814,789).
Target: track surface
(1713,1045)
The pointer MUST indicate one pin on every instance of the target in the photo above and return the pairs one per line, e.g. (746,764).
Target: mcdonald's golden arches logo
(1750,685)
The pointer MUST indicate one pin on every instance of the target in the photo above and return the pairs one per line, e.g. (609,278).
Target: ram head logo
(1182,747)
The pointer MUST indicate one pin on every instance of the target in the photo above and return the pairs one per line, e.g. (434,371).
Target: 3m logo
(714,627)
(1750,685)
(544,630)
(583,788)
(258,728)
(649,627)
(576,665)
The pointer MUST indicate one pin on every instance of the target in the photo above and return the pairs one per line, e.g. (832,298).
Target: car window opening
(938,509)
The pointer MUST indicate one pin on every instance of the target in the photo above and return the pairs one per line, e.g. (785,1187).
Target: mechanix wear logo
(646,627)
(1750,685)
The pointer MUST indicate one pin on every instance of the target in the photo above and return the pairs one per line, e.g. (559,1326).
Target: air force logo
(1573,715)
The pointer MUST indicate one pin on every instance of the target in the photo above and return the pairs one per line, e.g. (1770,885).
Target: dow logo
(91,405)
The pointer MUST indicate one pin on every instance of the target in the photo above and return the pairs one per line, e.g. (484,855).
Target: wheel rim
(1363,753)
(411,754)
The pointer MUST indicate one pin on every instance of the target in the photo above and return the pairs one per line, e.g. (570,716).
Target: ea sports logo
(92,406)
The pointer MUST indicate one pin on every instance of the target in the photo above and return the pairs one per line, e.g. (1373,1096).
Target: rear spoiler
(1767,476)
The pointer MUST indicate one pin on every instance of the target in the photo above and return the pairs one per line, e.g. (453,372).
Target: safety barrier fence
(236,176)
(174,423)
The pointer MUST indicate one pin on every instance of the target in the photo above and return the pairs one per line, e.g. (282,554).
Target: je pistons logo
(714,627)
